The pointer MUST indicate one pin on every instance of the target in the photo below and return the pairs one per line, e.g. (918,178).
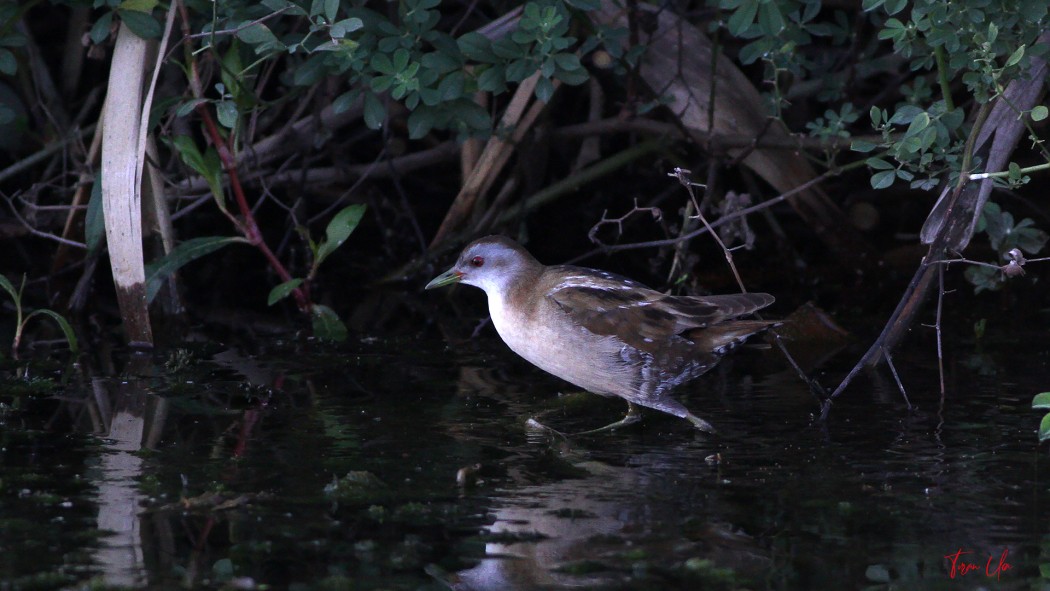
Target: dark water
(301,467)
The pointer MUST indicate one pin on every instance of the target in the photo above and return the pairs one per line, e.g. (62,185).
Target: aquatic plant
(22,319)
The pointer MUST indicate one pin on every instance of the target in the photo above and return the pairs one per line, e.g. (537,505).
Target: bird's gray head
(491,263)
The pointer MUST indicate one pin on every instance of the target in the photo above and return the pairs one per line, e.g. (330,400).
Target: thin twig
(605,249)
(592,234)
(240,28)
(683,177)
(937,326)
(896,377)
(44,153)
(41,234)
(716,141)
(815,388)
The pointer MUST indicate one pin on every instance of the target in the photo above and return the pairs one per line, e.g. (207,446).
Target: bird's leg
(633,416)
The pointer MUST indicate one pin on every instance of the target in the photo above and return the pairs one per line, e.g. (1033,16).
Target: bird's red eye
(477,261)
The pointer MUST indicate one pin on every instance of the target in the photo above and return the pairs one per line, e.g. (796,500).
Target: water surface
(406,464)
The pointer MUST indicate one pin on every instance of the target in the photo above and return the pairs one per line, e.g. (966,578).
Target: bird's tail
(722,338)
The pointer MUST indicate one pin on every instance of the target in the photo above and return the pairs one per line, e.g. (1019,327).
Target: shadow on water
(402,465)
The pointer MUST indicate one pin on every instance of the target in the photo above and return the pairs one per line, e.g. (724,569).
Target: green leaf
(94,221)
(879,164)
(62,323)
(573,77)
(187,107)
(189,153)
(223,569)
(451,87)
(100,30)
(919,123)
(508,50)
(876,116)
(257,34)
(770,19)
(311,71)
(895,6)
(420,122)
(878,573)
(207,164)
(331,10)
(753,51)
(345,101)
(477,47)
(347,25)
(1041,400)
(547,68)
(7,286)
(141,23)
(440,62)
(285,5)
(908,146)
(1039,113)
(743,17)
(401,57)
(146,6)
(1030,240)
(492,79)
(585,4)
(381,84)
(1044,428)
(862,146)
(282,291)
(983,278)
(8,63)
(188,251)
(567,61)
(1015,56)
(882,179)
(227,114)
(7,114)
(326,324)
(544,90)
(339,229)
(381,63)
(375,112)
(905,114)
(232,66)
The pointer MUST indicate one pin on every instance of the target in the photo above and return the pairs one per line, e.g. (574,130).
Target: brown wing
(696,310)
(606,304)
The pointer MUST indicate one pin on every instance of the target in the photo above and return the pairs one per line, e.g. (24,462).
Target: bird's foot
(632,417)
(533,425)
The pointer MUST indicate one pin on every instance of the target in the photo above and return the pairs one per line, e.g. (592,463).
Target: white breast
(574,355)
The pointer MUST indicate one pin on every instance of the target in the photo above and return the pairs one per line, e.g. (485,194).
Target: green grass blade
(186,252)
(63,324)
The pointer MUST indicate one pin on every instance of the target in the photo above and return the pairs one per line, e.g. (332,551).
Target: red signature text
(960,566)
